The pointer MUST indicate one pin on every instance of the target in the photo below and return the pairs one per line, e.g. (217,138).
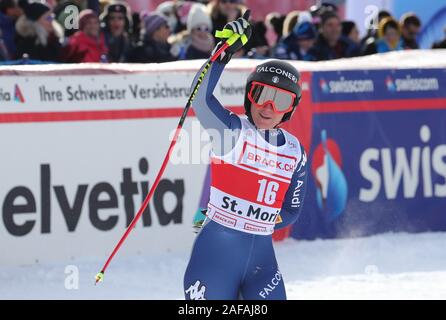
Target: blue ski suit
(228,264)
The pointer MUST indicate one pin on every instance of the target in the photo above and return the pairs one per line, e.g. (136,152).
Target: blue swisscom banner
(373,172)
(359,85)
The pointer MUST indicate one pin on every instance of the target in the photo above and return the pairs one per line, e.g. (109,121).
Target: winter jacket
(33,40)
(83,48)
(148,51)
(288,48)
(118,47)
(184,49)
(344,48)
(379,46)
(409,44)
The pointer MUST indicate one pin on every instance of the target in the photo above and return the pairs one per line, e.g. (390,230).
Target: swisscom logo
(343,85)
(411,84)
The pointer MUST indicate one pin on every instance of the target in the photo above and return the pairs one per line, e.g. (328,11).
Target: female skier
(257,181)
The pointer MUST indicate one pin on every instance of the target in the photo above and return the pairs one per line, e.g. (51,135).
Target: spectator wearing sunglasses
(197,41)
(38,35)
(410,27)
(153,46)
(116,20)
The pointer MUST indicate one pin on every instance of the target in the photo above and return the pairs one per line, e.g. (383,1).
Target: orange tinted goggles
(262,94)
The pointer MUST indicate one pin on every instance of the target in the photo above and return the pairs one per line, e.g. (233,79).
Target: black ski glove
(236,34)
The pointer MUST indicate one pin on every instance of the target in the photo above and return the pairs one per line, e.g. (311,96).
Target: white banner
(151,90)
(70,182)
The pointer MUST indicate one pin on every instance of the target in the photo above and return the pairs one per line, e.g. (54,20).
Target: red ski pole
(100,275)
(232,39)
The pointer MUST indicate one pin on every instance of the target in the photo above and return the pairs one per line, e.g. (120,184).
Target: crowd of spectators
(72,32)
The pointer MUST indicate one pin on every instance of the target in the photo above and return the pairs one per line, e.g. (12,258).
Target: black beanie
(34,10)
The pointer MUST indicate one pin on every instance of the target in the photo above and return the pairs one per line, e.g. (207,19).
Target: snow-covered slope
(387,266)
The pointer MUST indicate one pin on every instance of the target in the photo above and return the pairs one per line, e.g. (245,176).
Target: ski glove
(236,34)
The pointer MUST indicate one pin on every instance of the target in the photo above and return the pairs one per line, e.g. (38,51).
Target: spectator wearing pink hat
(87,44)
(153,46)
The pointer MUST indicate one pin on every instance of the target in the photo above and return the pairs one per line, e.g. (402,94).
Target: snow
(386,266)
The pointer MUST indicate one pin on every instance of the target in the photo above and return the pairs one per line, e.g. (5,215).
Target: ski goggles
(262,94)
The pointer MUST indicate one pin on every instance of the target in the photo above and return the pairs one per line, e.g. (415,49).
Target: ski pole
(232,39)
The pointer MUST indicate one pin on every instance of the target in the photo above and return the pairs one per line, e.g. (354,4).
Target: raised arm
(209,111)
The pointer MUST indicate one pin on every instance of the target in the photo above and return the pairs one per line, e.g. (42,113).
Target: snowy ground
(389,266)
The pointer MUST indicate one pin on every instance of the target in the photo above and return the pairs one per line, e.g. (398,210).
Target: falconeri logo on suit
(271,286)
